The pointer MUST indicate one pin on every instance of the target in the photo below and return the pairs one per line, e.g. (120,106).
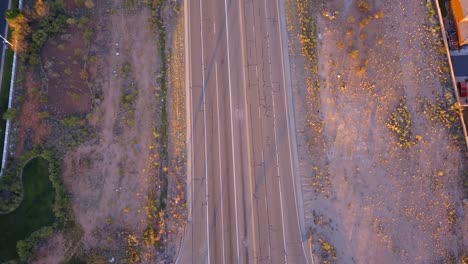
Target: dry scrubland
(109,99)
(126,184)
(380,154)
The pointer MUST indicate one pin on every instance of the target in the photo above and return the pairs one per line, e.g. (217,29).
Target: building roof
(460,13)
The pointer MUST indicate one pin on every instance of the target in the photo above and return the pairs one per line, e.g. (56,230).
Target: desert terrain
(381,159)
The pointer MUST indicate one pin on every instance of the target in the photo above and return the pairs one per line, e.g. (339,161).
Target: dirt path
(370,199)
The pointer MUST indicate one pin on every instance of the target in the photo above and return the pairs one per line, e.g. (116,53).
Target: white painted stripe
(220,161)
(247,124)
(204,127)
(232,129)
(276,138)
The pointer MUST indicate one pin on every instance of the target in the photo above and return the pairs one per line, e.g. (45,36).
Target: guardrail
(452,74)
(10,103)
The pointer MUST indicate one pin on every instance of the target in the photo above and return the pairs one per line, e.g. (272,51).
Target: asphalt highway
(244,204)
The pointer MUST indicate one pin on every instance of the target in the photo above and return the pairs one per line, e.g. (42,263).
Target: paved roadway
(241,186)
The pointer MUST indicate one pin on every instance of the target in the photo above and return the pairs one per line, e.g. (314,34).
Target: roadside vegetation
(34,212)
(33,201)
(37,204)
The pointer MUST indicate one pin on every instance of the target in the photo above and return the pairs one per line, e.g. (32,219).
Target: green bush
(10,114)
(71,121)
(12,14)
(25,247)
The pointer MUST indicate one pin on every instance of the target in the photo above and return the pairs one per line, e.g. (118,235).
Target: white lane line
(288,111)
(220,161)
(279,178)
(204,126)
(247,122)
(232,128)
(274,132)
(268,221)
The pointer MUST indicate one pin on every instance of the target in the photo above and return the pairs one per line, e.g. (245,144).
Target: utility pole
(6,41)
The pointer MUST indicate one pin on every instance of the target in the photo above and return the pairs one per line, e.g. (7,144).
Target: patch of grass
(125,70)
(71,121)
(430,9)
(400,123)
(353,54)
(158,21)
(10,114)
(328,250)
(127,99)
(363,6)
(34,212)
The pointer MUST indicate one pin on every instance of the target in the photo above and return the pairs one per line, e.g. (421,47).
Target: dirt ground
(105,72)
(366,199)
(110,176)
(113,178)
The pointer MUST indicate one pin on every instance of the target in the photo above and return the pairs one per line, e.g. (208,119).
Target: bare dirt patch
(366,198)
(114,179)
(33,129)
(65,60)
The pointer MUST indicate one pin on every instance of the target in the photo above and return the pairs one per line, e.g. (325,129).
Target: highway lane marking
(281,21)
(279,178)
(274,132)
(268,219)
(232,127)
(204,127)
(247,124)
(219,157)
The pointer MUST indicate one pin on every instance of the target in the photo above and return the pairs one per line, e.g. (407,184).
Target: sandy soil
(371,200)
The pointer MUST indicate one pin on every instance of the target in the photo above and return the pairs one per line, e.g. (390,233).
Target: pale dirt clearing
(366,199)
